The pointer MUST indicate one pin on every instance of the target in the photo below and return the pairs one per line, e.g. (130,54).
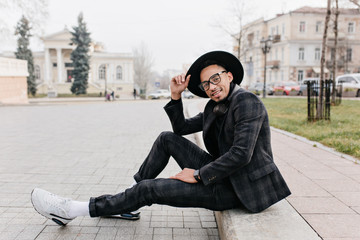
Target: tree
(80,57)
(334,65)
(356,2)
(35,11)
(23,52)
(143,62)
(320,107)
(236,29)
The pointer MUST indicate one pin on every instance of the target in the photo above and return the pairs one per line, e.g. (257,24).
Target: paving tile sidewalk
(80,150)
(325,187)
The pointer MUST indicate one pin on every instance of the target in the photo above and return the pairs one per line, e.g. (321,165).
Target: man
(237,171)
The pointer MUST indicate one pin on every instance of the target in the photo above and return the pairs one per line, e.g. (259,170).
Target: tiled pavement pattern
(325,187)
(82,150)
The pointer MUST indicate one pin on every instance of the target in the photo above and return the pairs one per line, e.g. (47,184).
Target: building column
(47,67)
(59,65)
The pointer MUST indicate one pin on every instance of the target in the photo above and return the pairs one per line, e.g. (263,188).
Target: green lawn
(341,133)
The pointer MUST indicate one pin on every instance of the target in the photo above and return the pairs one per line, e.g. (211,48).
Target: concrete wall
(13,83)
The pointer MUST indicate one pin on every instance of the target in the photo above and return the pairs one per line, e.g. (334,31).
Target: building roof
(61,35)
(308,9)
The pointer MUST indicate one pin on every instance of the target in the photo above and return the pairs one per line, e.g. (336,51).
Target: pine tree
(23,52)
(80,57)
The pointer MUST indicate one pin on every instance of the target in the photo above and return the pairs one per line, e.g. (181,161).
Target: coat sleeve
(180,125)
(248,118)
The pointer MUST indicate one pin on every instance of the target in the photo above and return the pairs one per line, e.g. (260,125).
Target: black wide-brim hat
(227,60)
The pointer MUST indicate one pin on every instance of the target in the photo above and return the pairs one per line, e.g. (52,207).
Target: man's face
(221,90)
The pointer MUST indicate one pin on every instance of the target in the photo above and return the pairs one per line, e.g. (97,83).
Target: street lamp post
(265,47)
(106,69)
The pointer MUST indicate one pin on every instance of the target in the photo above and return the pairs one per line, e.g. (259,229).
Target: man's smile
(216,92)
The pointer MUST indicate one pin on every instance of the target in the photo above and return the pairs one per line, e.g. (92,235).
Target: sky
(175,32)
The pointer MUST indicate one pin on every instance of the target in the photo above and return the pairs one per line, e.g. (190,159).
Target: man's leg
(186,153)
(168,192)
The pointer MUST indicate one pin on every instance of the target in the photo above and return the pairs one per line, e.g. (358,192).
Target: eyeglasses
(214,79)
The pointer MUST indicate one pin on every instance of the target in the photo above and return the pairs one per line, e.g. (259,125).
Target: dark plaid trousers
(148,190)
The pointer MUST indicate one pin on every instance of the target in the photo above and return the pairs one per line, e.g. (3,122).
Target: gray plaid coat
(245,149)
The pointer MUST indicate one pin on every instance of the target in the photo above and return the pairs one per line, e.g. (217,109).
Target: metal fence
(313,94)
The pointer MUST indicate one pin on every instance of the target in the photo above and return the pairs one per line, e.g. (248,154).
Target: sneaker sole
(52,217)
(126,216)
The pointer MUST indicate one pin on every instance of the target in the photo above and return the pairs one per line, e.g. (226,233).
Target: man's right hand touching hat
(177,85)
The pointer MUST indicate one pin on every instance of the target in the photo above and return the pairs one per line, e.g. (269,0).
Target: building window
(332,54)
(283,28)
(318,27)
(118,73)
(102,72)
(282,54)
(351,27)
(317,54)
(37,72)
(275,76)
(301,54)
(302,27)
(348,55)
(300,75)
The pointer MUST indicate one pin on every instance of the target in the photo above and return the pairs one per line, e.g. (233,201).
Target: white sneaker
(51,206)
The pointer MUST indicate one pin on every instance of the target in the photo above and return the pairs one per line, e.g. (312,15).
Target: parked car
(350,82)
(303,85)
(161,93)
(258,88)
(187,94)
(287,88)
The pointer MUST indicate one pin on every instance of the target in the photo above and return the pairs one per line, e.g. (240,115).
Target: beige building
(54,68)
(13,81)
(297,41)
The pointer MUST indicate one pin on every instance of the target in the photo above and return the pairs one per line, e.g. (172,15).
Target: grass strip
(342,132)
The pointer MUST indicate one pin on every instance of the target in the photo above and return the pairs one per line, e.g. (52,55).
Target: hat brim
(231,63)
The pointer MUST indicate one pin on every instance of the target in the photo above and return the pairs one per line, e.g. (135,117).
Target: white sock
(78,209)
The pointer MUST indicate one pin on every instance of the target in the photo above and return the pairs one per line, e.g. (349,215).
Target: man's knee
(165,137)
(166,134)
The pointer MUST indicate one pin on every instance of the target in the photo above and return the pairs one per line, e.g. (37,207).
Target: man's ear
(230,76)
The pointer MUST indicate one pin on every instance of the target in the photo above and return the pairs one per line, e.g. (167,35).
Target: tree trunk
(333,94)
(320,107)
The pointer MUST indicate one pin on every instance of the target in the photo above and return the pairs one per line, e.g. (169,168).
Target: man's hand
(177,85)
(186,175)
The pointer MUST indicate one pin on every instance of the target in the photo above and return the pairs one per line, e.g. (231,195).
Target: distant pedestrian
(134,93)
(113,95)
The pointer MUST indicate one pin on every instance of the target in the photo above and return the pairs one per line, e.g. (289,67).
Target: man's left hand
(186,175)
